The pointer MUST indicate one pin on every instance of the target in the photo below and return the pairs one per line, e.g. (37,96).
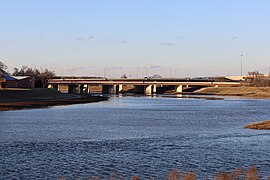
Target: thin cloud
(180,37)
(148,67)
(154,66)
(166,44)
(124,41)
(79,38)
(91,37)
(234,38)
(75,69)
(114,68)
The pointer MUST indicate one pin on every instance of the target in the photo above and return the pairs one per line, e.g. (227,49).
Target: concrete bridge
(114,86)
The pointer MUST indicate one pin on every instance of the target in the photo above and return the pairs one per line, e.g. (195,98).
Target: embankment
(264,125)
(245,91)
(12,99)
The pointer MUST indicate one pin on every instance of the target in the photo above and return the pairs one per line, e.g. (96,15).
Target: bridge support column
(71,89)
(88,88)
(113,89)
(120,88)
(148,90)
(109,89)
(145,89)
(85,88)
(79,89)
(179,89)
(154,89)
(55,86)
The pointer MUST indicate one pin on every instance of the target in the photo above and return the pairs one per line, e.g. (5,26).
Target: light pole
(241,64)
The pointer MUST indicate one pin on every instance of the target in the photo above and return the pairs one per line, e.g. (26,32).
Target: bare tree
(254,74)
(2,65)
(258,79)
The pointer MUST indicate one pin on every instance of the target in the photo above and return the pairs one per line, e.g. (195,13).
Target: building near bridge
(2,80)
(7,81)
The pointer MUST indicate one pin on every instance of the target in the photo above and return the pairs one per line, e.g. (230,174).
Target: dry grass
(255,92)
(251,174)
(236,174)
(16,94)
(189,176)
(11,99)
(135,178)
(224,176)
(173,175)
(264,125)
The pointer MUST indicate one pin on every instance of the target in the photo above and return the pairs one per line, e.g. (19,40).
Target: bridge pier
(120,88)
(88,89)
(148,90)
(55,86)
(145,89)
(71,89)
(112,89)
(85,88)
(154,89)
(179,88)
(80,89)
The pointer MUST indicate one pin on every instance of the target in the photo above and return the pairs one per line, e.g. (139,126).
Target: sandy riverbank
(12,99)
(245,91)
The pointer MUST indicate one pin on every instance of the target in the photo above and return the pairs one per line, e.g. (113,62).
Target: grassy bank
(11,99)
(264,125)
(246,91)
(251,173)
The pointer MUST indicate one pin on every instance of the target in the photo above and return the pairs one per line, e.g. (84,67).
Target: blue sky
(170,38)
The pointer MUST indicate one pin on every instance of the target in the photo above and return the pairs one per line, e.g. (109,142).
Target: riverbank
(264,125)
(13,99)
(245,91)
(251,173)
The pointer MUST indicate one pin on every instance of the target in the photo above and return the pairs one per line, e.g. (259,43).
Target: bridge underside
(147,87)
(115,89)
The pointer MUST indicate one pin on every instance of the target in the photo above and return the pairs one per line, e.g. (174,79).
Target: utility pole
(104,72)
(241,64)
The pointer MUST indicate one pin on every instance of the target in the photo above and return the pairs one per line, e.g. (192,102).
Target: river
(145,136)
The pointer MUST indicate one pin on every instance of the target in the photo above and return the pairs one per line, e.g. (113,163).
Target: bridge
(145,86)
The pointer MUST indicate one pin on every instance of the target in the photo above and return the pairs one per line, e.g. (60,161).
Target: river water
(145,136)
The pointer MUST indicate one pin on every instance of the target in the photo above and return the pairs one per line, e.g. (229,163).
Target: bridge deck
(138,83)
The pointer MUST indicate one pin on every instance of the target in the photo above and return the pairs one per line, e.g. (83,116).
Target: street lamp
(241,64)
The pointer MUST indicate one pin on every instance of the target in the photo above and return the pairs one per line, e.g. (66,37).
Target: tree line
(41,76)
(255,78)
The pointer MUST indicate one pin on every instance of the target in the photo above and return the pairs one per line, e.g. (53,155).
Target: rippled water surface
(143,136)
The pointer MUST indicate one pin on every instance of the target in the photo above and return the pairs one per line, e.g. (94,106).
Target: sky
(172,38)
